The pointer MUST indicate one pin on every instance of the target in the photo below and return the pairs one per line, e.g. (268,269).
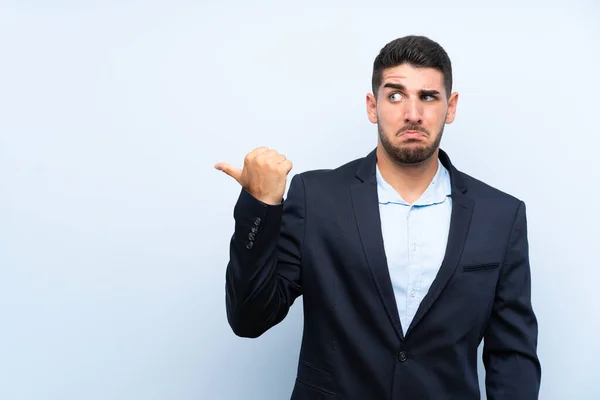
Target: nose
(413,112)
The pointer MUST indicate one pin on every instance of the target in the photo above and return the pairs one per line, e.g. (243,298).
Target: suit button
(257,221)
(254,229)
(402,356)
(251,236)
(249,245)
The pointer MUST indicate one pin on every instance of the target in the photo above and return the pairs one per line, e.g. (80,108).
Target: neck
(409,180)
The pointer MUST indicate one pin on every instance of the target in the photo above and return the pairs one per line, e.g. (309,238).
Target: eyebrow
(398,86)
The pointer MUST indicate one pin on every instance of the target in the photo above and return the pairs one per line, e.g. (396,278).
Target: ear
(452,102)
(372,108)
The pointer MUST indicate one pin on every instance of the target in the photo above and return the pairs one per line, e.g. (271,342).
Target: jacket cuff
(254,219)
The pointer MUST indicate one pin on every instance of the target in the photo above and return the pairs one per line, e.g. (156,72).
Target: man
(404,263)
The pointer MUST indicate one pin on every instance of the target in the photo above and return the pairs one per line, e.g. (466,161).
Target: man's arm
(263,273)
(513,370)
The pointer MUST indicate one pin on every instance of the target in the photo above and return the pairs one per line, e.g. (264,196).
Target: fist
(264,174)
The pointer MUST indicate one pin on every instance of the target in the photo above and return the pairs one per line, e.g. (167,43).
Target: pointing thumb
(231,170)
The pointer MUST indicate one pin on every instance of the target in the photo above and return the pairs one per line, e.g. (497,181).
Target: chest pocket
(480,267)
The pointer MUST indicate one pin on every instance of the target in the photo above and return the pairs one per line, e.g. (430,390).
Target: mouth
(412,134)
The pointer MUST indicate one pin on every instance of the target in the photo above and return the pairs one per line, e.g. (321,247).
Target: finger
(265,155)
(286,166)
(279,158)
(270,157)
(254,153)
(273,159)
(231,170)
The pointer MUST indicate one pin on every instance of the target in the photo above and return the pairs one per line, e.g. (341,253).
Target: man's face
(410,111)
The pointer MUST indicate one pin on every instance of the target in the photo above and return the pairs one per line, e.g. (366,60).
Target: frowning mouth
(413,134)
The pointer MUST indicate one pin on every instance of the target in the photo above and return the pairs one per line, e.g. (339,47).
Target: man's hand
(264,174)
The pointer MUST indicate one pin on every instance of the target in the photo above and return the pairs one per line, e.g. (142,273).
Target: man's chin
(415,155)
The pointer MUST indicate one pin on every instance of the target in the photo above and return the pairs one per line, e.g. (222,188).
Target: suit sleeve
(263,276)
(510,346)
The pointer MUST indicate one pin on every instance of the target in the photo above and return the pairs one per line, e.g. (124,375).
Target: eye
(428,97)
(395,97)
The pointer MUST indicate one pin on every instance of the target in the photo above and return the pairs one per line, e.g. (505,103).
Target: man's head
(412,98)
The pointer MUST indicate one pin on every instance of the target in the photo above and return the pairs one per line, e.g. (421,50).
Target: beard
(409,153)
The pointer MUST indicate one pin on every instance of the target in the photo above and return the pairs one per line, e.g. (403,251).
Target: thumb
(231,170)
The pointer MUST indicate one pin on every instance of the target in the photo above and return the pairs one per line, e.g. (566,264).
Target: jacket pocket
(314,379)
(480,267)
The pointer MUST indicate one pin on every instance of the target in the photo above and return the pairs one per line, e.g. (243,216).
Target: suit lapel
(460,220)
(366,211)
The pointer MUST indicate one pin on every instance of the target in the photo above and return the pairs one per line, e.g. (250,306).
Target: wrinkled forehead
(414,78)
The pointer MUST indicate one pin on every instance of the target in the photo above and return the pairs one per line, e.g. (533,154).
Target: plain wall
(114,226)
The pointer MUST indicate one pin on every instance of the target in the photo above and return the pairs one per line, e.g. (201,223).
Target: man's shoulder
(343,173)
(482,190)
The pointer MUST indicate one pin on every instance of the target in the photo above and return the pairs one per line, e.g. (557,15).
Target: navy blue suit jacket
(324,242)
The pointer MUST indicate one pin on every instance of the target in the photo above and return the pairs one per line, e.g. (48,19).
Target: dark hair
(418,51)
